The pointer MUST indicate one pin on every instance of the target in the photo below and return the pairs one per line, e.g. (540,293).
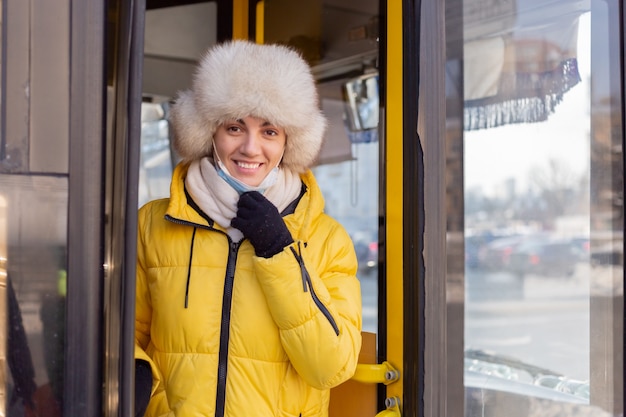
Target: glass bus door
(534,178)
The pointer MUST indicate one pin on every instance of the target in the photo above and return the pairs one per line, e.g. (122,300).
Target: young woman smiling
(247,297)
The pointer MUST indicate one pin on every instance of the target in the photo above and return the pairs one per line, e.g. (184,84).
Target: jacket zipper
(188,223)
(193,238)
(227,298)
(308,285)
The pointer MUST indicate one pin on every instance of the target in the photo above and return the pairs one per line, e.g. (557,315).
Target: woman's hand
(259,220)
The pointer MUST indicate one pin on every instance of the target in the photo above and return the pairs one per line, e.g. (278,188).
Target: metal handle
(382,373)
(389,413)
(393,408)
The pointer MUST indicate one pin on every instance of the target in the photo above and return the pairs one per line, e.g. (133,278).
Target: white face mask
(239,185)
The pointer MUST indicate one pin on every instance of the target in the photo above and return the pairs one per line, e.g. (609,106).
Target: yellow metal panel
(394,167)
(260,22)
(354,398)
(240,19)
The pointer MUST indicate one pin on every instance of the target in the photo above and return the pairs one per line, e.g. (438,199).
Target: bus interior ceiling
(340,41)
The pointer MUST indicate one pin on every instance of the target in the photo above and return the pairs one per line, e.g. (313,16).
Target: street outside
(545,323)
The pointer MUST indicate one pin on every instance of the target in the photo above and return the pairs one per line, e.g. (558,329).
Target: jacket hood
(238,79)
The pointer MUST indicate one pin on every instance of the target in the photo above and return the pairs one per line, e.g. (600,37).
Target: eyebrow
(265,123)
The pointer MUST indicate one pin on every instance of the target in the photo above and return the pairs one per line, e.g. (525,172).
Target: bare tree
(557,188)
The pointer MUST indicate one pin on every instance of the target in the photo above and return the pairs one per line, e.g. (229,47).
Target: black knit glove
(143,386)
(259,220)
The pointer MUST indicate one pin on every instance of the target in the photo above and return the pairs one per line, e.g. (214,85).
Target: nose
(251,144)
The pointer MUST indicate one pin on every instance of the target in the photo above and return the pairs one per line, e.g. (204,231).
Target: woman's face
(249,148)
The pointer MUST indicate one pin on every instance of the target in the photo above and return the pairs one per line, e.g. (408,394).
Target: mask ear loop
(281,157)
(217,160)
(214,154)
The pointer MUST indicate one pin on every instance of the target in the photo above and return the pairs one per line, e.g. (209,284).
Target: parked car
(495,255)
(367,255)
(474,245)
(546,257)
(582,246)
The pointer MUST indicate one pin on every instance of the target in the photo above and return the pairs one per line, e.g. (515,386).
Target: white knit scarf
(219,200)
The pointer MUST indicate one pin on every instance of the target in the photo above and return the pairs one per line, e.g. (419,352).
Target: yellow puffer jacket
(238,335)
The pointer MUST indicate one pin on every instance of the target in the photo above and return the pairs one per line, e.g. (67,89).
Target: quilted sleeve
(314,297)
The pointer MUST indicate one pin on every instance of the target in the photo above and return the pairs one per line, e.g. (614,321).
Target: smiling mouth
(248,165)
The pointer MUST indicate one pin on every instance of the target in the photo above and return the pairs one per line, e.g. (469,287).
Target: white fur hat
(238,79)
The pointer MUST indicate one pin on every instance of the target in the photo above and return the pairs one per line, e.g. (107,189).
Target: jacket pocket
(298,399)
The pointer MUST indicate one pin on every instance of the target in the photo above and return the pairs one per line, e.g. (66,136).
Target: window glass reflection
(543,261)
(33,212)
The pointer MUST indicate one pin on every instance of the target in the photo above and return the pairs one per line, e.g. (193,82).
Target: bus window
(157,159)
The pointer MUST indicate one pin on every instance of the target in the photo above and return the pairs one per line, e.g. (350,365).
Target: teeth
(248,165)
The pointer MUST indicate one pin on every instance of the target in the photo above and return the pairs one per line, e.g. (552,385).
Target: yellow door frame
(394,194)
(240,19)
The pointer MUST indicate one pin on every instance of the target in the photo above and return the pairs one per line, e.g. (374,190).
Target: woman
(247,296)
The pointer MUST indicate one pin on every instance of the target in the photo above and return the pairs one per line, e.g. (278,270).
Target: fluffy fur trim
(239,79)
